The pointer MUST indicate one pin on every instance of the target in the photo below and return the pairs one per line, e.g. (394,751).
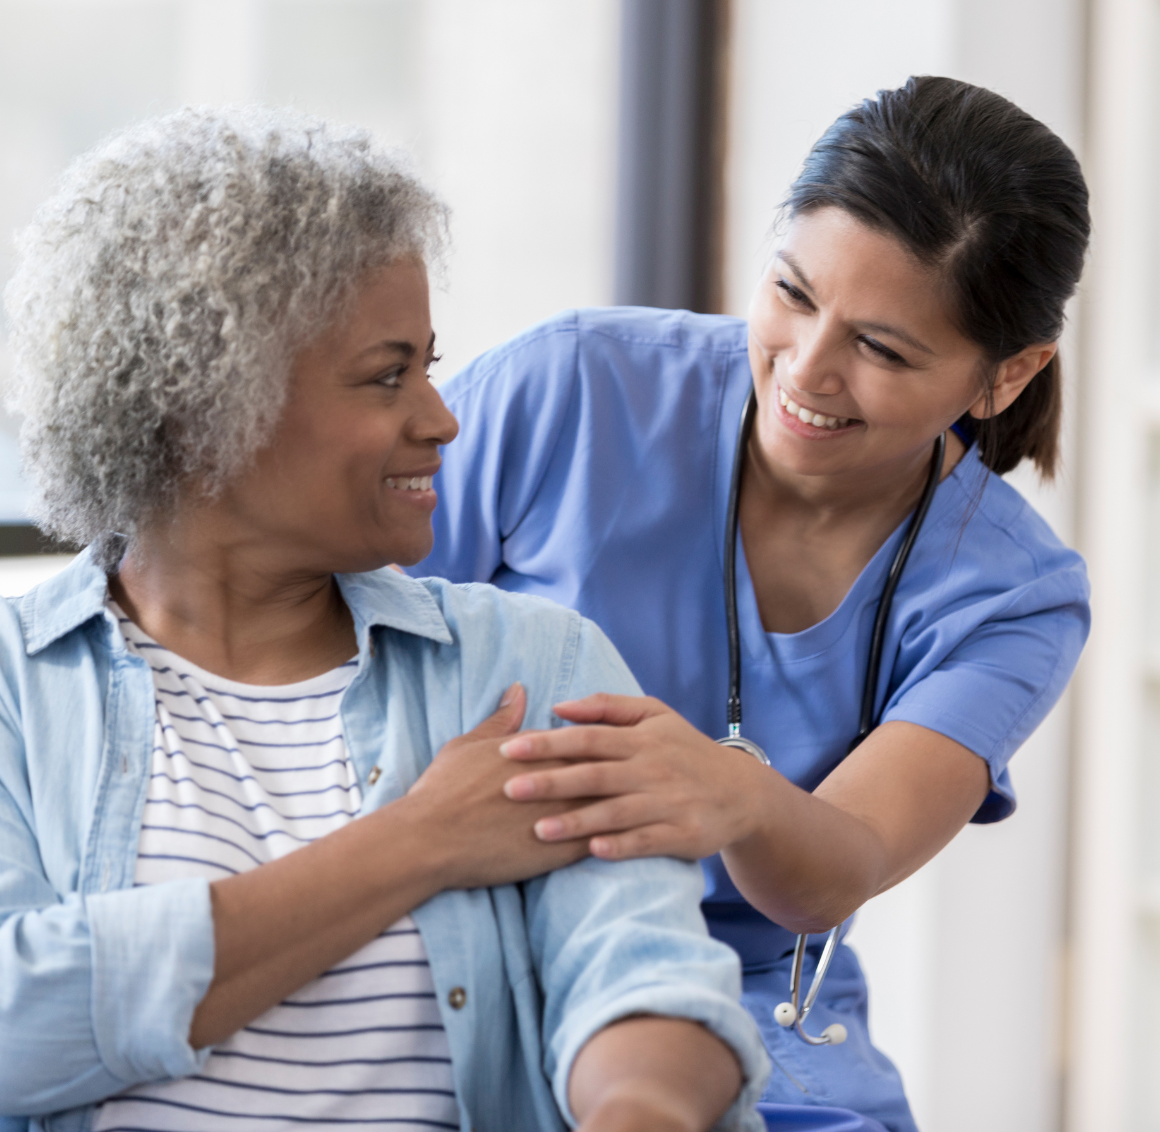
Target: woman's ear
(1014,375)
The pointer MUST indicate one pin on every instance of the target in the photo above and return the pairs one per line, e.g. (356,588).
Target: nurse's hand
(659,787)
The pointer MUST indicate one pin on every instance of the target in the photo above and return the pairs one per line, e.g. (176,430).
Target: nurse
(918,288)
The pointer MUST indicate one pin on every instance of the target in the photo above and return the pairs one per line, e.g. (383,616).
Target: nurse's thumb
(506,719)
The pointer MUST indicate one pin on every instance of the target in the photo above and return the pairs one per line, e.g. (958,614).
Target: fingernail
(509,695)
(547,828)
(514,747)
(519,788)
(599,847)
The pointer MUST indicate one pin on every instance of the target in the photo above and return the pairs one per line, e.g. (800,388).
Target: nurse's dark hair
(992,199)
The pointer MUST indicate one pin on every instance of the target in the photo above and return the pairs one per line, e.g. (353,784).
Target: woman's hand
(280,925)
(477,835)
(661,788)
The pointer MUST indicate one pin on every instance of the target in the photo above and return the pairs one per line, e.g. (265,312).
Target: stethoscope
(795,1012)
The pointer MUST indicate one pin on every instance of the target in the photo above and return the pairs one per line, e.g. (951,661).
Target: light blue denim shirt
(99,980)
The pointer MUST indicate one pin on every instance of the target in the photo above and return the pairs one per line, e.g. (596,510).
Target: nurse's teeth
(808,416)
(412,483)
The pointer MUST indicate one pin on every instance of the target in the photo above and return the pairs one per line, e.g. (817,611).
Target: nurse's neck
(807,537)
(885,486)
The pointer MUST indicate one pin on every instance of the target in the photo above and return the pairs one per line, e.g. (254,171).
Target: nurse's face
(856,364)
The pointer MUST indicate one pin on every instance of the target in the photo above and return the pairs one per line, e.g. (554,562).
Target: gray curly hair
(161,293)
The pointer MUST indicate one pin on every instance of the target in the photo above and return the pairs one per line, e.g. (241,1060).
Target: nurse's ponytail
(992,198)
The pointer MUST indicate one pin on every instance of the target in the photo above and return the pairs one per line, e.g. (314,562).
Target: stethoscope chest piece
(746,745)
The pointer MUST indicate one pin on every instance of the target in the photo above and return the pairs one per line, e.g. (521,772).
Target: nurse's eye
(794,296)
(883,353)
(431,361)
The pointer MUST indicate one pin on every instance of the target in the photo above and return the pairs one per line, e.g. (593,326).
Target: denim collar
(77,594)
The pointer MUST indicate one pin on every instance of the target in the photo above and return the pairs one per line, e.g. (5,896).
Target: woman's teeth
(414,483)
(807,416)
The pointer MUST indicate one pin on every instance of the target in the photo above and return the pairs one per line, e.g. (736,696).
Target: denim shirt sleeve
(97,991)
(612,939)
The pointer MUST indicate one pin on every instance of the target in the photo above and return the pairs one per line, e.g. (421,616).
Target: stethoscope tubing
(794,1013)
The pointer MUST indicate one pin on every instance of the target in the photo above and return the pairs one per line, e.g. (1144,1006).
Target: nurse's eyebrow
(876,327)
(796,268)
(880,328)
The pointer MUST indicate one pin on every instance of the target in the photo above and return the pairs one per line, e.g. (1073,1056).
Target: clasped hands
(647,782)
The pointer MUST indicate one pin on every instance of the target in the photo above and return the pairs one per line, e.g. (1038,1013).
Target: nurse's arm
(879,816)
(807,861)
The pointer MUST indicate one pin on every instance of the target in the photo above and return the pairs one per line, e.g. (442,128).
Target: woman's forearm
(650,1074)
(281,925)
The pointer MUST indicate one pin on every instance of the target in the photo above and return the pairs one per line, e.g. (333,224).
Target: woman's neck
(228,605)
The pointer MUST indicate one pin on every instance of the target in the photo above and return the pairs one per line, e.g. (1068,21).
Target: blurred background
(599,151)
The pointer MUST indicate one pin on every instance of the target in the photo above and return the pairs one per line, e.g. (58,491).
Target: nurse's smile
(806,422)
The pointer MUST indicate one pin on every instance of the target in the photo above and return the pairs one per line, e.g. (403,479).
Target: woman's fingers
(572,743)
(603,707)
(505,720)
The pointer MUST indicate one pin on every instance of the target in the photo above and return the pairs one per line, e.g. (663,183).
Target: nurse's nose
(812,366)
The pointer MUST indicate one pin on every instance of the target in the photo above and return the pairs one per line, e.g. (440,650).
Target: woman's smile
(414,488)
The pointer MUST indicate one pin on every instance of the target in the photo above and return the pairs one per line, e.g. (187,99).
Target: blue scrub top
(593,468)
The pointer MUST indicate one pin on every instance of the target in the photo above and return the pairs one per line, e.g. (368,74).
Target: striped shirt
(241,775)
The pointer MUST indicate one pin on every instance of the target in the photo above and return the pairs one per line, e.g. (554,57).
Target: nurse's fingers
(658,840)
(609,816)
(604,707)
(584,780)
(572,743)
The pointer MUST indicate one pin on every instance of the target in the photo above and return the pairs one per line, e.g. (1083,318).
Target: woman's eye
(392,379)
(794,294)
(883,352)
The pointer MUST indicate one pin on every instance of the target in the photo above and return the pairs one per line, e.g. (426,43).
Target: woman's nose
(433,420)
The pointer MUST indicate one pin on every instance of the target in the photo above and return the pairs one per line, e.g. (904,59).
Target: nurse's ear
(1011,378)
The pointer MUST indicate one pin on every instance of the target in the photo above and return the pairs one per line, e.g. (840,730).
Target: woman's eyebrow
(399,346)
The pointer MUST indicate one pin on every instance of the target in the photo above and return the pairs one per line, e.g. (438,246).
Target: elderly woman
(238,887)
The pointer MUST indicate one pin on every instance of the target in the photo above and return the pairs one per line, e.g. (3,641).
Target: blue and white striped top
(241,775)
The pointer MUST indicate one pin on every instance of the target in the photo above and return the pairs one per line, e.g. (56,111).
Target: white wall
(965,959)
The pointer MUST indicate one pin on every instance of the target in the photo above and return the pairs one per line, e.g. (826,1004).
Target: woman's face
(848,330)
(345,483)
